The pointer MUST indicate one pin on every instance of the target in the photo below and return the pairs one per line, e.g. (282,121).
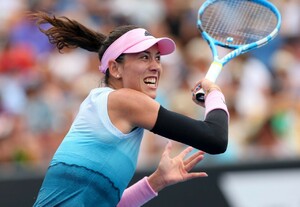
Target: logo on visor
(148,33)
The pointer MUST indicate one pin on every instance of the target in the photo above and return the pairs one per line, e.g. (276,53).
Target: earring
(118,76)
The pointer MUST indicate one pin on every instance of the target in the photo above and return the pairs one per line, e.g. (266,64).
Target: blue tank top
(95,143)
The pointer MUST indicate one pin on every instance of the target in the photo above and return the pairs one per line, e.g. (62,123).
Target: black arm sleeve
(210,135)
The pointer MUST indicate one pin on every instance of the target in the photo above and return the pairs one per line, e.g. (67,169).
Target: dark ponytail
(71,34)
(68,33)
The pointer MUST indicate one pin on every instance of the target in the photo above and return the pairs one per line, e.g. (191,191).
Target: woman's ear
(113,67)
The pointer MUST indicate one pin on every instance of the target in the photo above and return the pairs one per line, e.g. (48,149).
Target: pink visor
(134,41)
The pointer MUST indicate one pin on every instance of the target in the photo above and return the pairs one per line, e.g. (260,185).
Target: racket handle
(200,96)
(212,74)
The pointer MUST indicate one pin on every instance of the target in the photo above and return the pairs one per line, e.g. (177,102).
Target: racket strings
(238,22)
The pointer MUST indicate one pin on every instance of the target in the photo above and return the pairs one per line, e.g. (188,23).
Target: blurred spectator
(253,97)
(266,143)
(24,33)
(69,66)
(290,18)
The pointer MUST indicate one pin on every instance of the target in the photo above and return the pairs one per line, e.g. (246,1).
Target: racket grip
(200,96)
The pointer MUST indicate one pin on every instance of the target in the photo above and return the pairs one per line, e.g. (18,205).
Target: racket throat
(214,71)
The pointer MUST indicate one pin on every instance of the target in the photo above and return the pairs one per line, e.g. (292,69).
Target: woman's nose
(155,65)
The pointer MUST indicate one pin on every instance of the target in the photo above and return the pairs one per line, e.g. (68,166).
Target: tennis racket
(238,25)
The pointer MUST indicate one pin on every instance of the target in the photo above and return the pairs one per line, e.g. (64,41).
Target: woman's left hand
(177,169)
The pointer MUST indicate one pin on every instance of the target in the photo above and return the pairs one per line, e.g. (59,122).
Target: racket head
(238,23)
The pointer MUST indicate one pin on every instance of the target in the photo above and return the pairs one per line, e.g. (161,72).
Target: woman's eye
(144,57)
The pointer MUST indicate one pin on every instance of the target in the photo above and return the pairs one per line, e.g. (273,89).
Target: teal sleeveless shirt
(95,143)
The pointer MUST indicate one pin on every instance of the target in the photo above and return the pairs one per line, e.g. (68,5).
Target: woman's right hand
(207,85)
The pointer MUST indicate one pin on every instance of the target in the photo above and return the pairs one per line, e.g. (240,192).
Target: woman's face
(141,71)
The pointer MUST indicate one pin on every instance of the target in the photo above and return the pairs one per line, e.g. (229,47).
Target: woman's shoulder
(98,94)
(101,90)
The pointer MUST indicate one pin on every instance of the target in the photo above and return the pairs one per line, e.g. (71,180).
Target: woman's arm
(210,135)
(129,108)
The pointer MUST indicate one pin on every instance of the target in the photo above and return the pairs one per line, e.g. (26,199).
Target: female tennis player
(97,158)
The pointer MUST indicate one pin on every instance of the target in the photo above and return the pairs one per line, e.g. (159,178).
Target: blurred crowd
(41,89)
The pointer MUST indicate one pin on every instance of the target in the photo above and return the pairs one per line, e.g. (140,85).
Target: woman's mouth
(151,82)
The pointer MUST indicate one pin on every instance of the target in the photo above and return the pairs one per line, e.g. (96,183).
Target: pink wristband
(215,100)
(137,194)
